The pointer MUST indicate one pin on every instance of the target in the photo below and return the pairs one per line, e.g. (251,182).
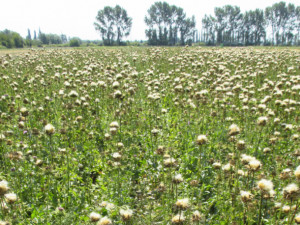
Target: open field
(15,51)
(150,136)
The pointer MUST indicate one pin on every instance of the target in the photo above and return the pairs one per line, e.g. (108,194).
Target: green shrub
(75,42)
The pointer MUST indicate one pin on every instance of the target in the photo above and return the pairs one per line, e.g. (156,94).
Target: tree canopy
(231,27)
(10,39)
(113,24)
(168,25)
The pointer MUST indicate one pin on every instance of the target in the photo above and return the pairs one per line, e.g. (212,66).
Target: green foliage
(283,20)
(168,25)
(136,43)
(169,133)
(11,39)
(48,39)
(230,27)
(75,42)
(113,24)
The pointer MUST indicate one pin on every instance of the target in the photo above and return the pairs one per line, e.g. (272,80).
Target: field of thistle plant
(150,136)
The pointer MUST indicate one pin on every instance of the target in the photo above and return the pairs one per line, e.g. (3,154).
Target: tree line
(169,25)
(278,24)
(11,39)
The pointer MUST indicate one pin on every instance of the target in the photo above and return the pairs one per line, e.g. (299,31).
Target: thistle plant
(150,136)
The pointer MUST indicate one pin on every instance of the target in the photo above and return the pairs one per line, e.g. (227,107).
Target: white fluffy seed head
(126,214)
(297,172)
(246,196)
(265,185)
(217,165)
(4,223)
(196,216)
(73,94)
(10,198)
(201,139)
(104,221)
(291,191)
(183,203)
(286,209)
(179,218)
(3,187)
(178,179)
(262,121)
(291,188)
(233,130)
(297,219)
(247,158)
(169,162)
(227,167)
(116,156)
(254,165)
(114,124)
(94,217)
(49,129)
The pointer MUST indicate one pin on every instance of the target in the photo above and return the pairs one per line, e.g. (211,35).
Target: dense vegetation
(113,24)
(10,39)
(150,136)
(169,25)
(231,27)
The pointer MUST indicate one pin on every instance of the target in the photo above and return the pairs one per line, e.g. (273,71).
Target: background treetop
(113,24)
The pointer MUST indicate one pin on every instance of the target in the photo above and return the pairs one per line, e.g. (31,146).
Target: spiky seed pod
(246,196)
(73,94)
(265,185)
(24,111)
(105,221)
(254,165)
(233,130)
(262,121)
(4,223)
(201,140)
(113,130)
(291,191)
(182,204)
(114,124)
(286,209)
(217,165)
(169,162)
(241,145)
(49,129)
(178,179)
(10,198)
(161,187)
(160,150)
(178,219)
(194,183)
(297,172)
(297,219)
(196,216)
(126,214)
(116,156)
(3,187)
(285,174)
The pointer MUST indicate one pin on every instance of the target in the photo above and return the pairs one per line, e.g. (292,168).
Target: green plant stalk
(260,209)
